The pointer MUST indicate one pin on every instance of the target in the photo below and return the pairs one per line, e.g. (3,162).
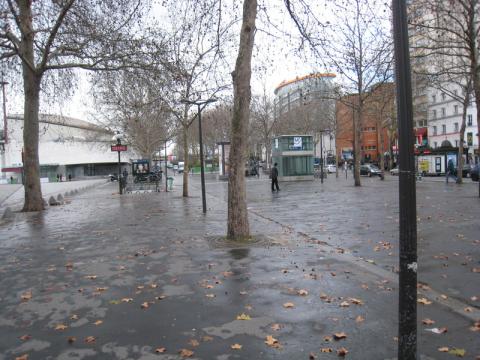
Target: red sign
(119,147)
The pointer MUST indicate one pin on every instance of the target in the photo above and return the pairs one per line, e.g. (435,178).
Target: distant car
(465,171)
(113,177)
(175,167)
(474,172)
(370,170)
(331,168)
(181,166)
(394,171)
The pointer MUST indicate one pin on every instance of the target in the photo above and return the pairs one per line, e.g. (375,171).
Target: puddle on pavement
(258,240)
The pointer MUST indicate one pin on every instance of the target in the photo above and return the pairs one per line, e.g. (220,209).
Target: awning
(13,169)
(421,131)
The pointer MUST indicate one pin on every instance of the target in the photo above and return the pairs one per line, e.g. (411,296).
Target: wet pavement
(148,276)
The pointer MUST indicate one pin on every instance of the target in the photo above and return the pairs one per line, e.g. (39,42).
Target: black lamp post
(118,137)
(321,154)
(407,310)
(199,104)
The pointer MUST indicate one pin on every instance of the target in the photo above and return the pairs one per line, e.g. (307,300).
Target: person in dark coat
(275,178)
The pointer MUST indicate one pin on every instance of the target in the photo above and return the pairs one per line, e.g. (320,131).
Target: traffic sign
(119,147)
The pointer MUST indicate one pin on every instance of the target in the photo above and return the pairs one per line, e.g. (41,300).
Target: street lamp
(199,104)
(321,153)
(118,138)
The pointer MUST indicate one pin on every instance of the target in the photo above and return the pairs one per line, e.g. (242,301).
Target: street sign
(119,147)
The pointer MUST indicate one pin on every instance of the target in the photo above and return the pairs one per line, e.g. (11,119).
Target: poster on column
(297,142)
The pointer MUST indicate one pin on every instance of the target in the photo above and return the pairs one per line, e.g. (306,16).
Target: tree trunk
(462,138)
(356,143)
(186,168)
(476,87)
(31,86)
(238,226)
(381,149)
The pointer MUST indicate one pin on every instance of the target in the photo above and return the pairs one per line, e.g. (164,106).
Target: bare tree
(199,40)
(132,101)
(238,226)
(263,122)
(450,41)
(358,45)
(52,37)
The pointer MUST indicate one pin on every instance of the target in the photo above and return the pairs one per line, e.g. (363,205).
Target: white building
(67,146)
(445,121)
(310,96)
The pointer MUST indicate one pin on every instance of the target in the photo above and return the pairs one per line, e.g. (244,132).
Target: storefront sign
(119,147)
(297,142)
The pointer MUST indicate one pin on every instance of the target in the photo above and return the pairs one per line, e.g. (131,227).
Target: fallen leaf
(161,297)
(342,351)
(302,292)
(344,304)
(476,326)
(74,317)
(140,287)
(275,327)
(126,300)
(26,296)
(437,330)
(243,293)
(71,339)
(288,305)
(236,347)
(207,338)
(359,319)
(327,338)
(160,350)
(193,342)
(311,356)
(468,309)
(23,357)
(114,302)
(443,349)
(186,353)
(339,336)
(61,327)
(98,322)
(227,273)
(144,305)
(356,301)
(444,297)
(210,296)
(90,339)
(25,337)
(428,321)
(243,317)
(91,277)
(424,301)
(457,352)
(272,342)
(326,350)
(153,286)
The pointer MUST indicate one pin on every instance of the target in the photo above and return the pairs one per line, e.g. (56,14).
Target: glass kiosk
(294,157)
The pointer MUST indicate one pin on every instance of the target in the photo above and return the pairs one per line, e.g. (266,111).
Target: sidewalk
(13,195)
(148,276)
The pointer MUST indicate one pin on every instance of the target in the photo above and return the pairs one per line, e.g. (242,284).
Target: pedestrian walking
(451,171)
(257,169)
(275,177)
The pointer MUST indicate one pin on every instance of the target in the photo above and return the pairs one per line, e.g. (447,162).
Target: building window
(434,98)
(443,96)
(456,143)
(434,130)
(434,114)
(469,120)
(455,92)
(456,127)
(444,112)
(444,129)
(434,144)
(455,109)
